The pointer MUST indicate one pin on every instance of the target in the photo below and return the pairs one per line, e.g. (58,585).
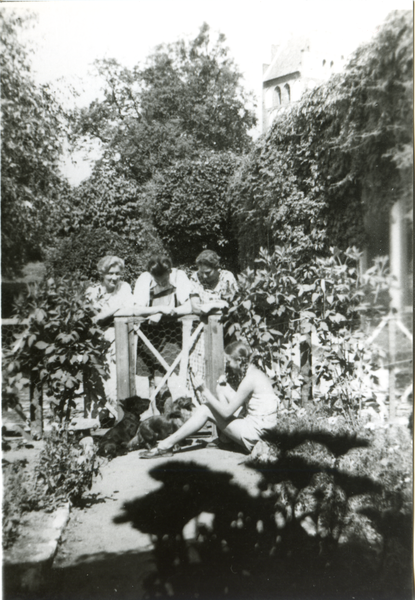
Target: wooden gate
(129,330)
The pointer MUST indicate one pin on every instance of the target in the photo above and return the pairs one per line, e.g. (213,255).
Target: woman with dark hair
(162,290)
(213,287)
(243,415)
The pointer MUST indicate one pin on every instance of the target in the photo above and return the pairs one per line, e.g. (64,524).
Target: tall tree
(32,126)
(188,97)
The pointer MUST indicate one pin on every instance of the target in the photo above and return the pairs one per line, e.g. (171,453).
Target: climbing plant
(344,147)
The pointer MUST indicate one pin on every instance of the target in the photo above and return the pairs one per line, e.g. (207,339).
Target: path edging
(27,562)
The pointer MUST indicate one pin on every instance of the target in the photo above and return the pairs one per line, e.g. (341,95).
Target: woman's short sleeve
(124,297)
(142,290)
(183,287)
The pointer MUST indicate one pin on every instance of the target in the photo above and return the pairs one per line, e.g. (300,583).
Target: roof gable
(288,59)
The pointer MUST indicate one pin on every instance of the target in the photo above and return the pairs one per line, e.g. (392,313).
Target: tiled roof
(288,58)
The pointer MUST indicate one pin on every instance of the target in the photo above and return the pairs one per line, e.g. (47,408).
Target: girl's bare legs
(199,418)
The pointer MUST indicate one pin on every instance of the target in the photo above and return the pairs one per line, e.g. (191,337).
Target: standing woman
(107,298)
(160,293)
(213,287)
(243,416)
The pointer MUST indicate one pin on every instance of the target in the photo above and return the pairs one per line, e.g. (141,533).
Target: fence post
(132,349)
(122,354)
(187,323)
(392,360)
(305,365)
(36,411)
(214,354)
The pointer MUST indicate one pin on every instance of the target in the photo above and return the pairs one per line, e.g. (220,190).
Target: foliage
(78,254)
(285,305)
(336,157)
(16,498)
(32,129)
(332,512)
(190,203)
(60,347)
(64,472)
(187,97)
(107,214)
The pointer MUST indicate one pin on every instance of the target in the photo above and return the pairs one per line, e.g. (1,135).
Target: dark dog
(113,443)
(159,427)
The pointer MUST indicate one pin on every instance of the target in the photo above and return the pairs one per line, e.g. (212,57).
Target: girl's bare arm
(227,409)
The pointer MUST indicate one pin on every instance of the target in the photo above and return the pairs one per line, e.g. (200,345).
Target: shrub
(78,254)
(190,204)
(64,472)
(61,348)
(288,310)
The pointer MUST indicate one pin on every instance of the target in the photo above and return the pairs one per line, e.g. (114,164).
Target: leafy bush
(78,255)
(190,203)
(17,494)
(64,472)
(106,214)
(61,348)
(288,310)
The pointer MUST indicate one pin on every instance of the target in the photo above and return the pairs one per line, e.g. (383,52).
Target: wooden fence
(128,330)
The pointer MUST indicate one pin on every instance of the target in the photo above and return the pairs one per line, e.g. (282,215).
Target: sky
(70,34)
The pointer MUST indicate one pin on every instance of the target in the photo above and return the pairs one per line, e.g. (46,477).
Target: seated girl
(255,394)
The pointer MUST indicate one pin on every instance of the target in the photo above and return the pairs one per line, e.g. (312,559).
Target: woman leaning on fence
(161,294)
(212,287)
(107,297)
(212,290)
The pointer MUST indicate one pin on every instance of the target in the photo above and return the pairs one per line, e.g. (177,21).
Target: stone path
(101,559)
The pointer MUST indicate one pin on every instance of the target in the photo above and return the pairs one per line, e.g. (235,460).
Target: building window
(277,96)
(287,93)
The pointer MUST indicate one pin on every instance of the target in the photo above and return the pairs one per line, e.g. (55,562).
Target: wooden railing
(128,331)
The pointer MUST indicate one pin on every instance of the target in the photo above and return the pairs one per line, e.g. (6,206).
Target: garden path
(101,559)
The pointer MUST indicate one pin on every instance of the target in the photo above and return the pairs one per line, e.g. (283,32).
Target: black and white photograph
(207,299)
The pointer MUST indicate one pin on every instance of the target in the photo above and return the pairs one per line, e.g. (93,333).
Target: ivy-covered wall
(341,152)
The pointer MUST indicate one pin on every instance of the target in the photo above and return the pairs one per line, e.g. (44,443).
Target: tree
(188,97)
(106,214)
(191,208)
(32,127)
